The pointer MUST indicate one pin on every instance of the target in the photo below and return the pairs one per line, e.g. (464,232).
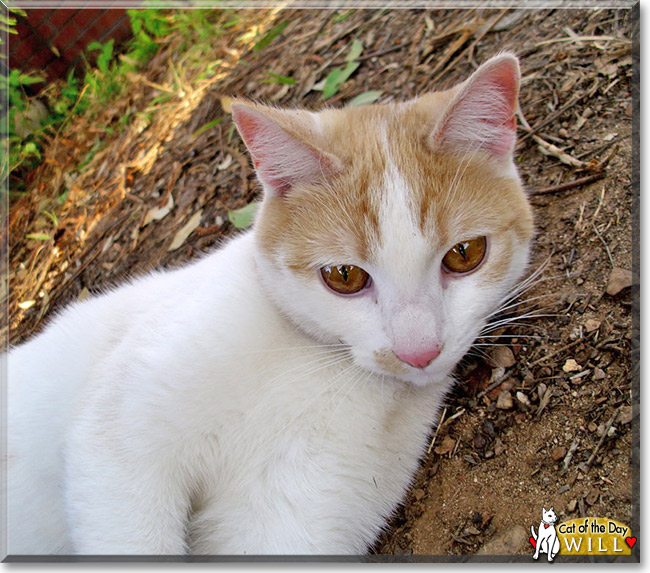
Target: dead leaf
(157,213)
(226,104)
(225,163)
(446,446)
(502,356)
(183,233)
(618,280)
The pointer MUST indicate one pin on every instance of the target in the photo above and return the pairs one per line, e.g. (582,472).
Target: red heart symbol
(630,541)
(533,542)
(546,526)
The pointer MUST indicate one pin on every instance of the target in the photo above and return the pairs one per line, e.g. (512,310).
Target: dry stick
(470,49)
(544,401)
(486,28)
(609,254)
(435,435)
(570,185)
(569,455)
(558,113)
(466,35)
(602,438)
(556,352)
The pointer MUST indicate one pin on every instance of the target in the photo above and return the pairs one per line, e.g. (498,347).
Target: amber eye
(465,256)
(345,279)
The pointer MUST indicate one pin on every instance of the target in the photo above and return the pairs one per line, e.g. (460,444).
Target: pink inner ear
(280,159)
(483,112)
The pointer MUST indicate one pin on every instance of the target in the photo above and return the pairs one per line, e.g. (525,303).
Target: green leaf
(51,216)
(365,98)
(278,79)
(94,46)
(243,218)
(336,78)
(341,17)
(38,236)
(355,51)
(28,80)
(270,36)
(207,126)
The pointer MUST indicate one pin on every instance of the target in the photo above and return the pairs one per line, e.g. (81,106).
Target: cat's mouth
(388,362)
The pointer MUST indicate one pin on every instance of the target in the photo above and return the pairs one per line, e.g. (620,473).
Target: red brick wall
(52,40)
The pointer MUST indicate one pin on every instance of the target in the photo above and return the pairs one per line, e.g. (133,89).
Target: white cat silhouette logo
(545,540)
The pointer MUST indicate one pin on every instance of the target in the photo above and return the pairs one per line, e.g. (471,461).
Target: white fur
(190,389)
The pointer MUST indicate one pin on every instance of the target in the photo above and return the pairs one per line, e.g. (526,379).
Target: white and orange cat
(275,397)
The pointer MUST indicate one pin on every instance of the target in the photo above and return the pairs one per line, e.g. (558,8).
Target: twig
(569,185)
(556,352)
(569,455)
(441,67)
(549,149)
(609,254)
(435,435)
(559,112)
(544,402)
(493,385)
(602,438)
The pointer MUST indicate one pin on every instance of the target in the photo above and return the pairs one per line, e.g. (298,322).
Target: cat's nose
(420,359)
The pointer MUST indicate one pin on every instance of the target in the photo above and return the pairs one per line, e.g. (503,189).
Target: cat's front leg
(121,498)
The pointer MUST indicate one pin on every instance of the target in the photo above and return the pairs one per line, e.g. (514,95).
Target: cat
(546,540)
(276,396)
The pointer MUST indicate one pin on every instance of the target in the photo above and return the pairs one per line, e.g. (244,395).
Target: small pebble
(504,401)
(571,366)
(599,374)
(523,398)
(618,280)
(571,507)
(558,453)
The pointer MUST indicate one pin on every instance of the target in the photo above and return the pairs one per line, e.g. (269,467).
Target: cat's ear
(278,141)
(481,114)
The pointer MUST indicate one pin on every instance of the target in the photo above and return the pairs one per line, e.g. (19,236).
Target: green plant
(337,77)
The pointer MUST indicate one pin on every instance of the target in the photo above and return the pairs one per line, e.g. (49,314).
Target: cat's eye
(345,279)
(465,256)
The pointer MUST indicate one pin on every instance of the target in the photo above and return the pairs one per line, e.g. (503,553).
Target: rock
(504,401)
(618,280)
(503,356)
(592,496)
(506,543)
(558,453)
(499,447)
(627,414)
(571,366)
(592,324)
(523,398)
(599,374)
(571,506)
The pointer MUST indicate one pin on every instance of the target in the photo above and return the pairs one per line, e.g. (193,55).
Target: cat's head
(397,228)
(549,516)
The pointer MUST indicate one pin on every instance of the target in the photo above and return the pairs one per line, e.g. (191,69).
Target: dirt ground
(547,414)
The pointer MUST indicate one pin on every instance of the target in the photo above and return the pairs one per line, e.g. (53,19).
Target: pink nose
(420,359)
